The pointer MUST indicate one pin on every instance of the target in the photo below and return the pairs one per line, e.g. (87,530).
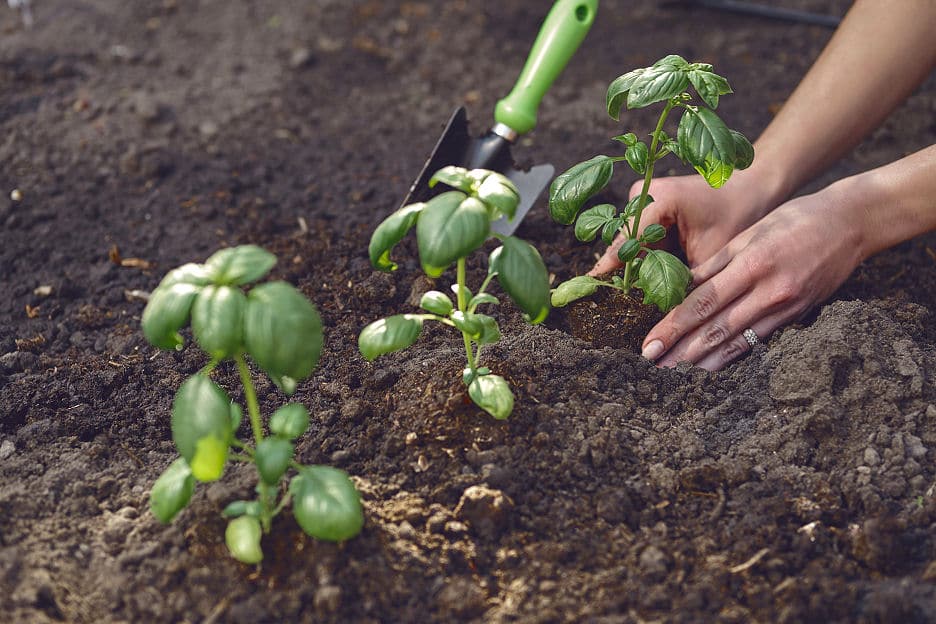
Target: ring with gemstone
(751,336)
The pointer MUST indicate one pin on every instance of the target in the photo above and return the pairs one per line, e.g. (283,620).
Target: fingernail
(653,350)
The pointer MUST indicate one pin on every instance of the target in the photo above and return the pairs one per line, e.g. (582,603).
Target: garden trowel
(563,30)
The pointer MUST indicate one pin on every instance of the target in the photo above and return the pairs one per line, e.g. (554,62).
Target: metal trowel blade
(457,147)
(530,184)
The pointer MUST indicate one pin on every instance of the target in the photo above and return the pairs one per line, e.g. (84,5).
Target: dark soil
(795,486)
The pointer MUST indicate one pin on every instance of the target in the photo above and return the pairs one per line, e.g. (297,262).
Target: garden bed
(796,485)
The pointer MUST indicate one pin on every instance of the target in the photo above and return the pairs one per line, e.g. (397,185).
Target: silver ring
(751,336)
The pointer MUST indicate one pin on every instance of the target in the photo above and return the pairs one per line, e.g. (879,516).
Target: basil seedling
(449,228)
(702,140)
(280,330)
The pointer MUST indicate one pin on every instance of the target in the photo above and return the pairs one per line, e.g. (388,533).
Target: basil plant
(450,227)
(702,140)
(280,330)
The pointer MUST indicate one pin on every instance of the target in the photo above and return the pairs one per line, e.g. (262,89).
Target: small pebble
(7,448)
(16,195)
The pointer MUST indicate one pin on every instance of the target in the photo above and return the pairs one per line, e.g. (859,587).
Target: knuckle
(733,349)
(761,264)
(704,303)
(785,291)
(714,335)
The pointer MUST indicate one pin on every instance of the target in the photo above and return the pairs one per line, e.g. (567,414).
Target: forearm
(890,204)
(881,52)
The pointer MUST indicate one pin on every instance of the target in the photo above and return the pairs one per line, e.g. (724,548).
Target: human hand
(705,218)
(768,275)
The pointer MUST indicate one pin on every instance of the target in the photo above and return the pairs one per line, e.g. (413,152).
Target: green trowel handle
(562,32)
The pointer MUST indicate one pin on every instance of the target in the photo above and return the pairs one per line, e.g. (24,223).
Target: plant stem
(462,306)
(645,189)
(253,407)
(253,410)
(210,366)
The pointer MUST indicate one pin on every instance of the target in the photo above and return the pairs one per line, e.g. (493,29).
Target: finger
(700,305)
(738,346)
(722,333)
(714,265)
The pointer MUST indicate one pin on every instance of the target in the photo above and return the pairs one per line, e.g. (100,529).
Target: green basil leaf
(490,332)
(710,86)
(482,298)
(172,491)
(498,191)
(573,289)
(450,227)
(569,192)
(200,410)
(290,421)
(239,265)
(211,452)
(468,375)
(481,328)
(628,139)
(662,81)
(390,334)
(744,151)
(237,414)
(436,302)
(166,312)
(465,290)
(523,276)
(618,90)
(492,394)
(218,320)
(243,508)
(457,177)
(630,210)
(467,323)
(191,273)
(637,156)
(674,61)
(326,504)
(273,455)
(653,233)
(628,250)
(590,222)
(663,278)
(611,229)
(282,333)
(716,172)
(671,145)
(242,537)
(707,144)
(390,232)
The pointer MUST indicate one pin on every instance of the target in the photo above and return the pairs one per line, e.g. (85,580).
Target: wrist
(772,179)
(750,195)
(890,204)
(844,210)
